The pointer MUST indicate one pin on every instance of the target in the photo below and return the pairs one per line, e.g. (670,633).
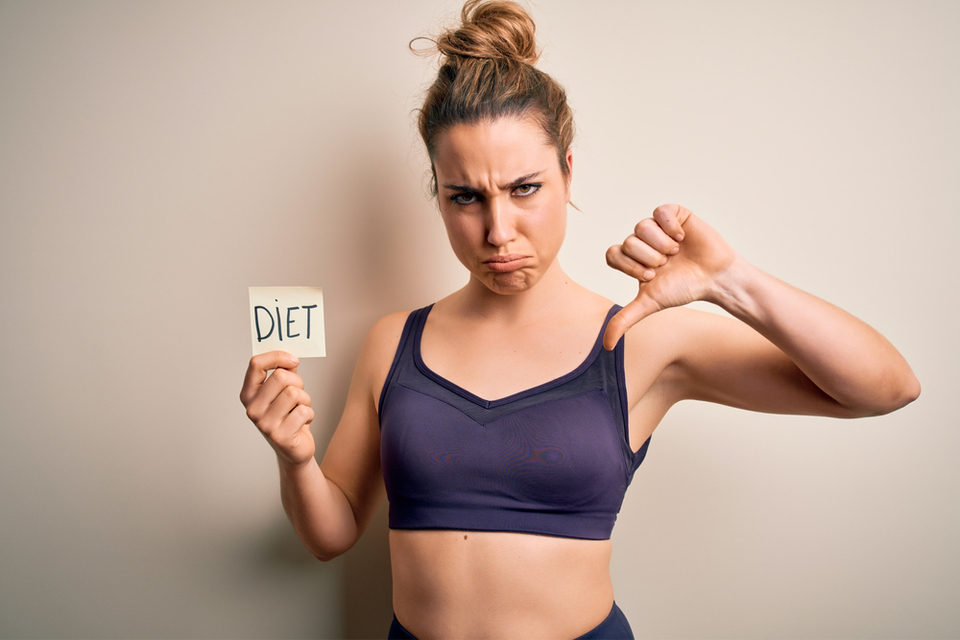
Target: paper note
(289,319)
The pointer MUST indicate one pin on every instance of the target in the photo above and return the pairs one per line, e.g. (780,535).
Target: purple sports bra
(553,460)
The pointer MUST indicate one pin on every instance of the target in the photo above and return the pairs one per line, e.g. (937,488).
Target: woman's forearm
(846,358)
(317,508)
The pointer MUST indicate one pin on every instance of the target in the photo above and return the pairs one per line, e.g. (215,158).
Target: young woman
(505,421)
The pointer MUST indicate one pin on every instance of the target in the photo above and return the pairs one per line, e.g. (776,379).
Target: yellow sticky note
(287,318)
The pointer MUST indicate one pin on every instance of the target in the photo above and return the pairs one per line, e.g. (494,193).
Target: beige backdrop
(157,158)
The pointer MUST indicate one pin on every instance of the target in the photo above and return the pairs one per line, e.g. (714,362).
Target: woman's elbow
(326,556)
(908,392)
(888,397)
(329,552)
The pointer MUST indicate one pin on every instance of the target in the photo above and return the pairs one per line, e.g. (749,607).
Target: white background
(157,158)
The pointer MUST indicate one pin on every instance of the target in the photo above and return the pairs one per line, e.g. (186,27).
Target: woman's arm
(803,355)
(330,505)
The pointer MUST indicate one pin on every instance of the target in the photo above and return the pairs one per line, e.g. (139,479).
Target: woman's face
(503,199)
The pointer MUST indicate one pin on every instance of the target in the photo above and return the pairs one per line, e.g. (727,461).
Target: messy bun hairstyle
(487,73)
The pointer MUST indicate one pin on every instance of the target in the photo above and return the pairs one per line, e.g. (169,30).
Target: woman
(505,421)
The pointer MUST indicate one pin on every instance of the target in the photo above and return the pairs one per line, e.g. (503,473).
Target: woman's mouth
(503,264)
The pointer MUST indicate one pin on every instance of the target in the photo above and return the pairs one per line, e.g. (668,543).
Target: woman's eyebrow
(463,188)
(522,180)
(513,185)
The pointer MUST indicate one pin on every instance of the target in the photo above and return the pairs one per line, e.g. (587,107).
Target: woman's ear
(569,161)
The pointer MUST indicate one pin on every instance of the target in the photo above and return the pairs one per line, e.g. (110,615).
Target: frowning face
(503,199)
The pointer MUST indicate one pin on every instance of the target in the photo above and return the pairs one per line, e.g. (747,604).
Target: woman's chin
(509,283)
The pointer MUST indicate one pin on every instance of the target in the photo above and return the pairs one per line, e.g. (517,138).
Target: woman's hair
(487,73)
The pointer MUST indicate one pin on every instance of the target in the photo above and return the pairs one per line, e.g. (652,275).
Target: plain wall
(157,158)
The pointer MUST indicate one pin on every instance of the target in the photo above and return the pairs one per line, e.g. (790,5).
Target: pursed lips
(509,262)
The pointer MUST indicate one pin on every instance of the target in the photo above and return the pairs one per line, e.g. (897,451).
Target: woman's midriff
(458,584)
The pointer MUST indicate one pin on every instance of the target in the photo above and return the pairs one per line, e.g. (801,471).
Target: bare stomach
(469,584)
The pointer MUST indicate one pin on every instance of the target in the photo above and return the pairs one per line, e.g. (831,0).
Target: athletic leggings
(615,627)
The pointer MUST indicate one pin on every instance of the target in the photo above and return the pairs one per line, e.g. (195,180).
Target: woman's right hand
(277,404)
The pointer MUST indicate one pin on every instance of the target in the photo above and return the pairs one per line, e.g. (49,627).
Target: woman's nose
(501,224)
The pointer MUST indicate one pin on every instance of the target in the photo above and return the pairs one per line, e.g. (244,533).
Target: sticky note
(287,318)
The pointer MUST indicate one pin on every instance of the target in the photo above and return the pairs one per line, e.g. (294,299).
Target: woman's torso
(450,583)
(457,584)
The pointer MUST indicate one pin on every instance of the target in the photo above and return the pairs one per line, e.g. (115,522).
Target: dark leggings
(615,627)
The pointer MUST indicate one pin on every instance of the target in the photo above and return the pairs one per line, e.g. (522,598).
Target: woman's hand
(675,256)
(278,405)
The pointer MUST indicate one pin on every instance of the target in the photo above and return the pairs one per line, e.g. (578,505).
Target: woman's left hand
(675,256)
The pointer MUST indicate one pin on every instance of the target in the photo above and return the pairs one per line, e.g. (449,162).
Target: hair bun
(493,29)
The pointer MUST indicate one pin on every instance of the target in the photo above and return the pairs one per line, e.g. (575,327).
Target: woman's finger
(297,445)
(671,217)
(650,232)
(296,421)
(278,382)
(642,252)
(618,260)
(274,423)
(258,369)
(632,313)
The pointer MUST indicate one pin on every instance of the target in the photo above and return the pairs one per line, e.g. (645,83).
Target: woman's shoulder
(384,335)
(378,351)
(383,338)
(589,302)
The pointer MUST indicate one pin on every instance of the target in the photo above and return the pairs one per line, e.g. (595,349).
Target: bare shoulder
(379,350)
(592,304)
(384,336)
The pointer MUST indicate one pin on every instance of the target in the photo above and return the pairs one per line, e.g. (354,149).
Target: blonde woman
(505,421)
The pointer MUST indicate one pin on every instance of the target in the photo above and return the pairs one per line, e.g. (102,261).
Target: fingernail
(648,274)
(678,237)
(674,251)
(295,359)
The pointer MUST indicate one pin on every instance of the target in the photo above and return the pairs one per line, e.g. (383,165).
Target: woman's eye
(463,198)
(526,190)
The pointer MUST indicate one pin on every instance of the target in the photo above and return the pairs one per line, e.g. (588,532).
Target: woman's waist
(511,584)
